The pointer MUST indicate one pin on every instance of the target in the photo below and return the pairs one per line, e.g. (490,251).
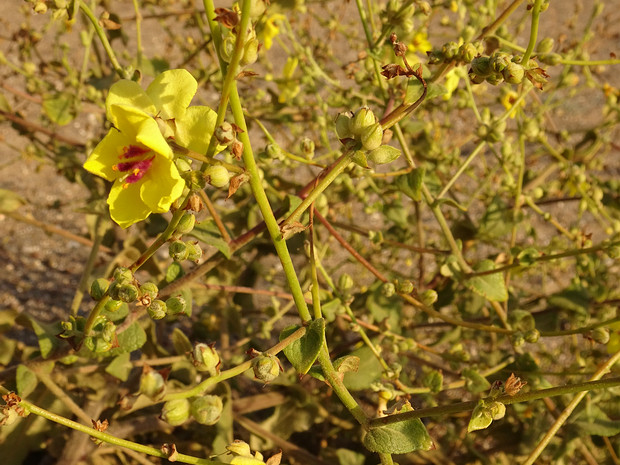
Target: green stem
(123,73)
(561,419)
(108,438)
(533,31)
(462,168)
(610,61)
(504,399)
(138,34)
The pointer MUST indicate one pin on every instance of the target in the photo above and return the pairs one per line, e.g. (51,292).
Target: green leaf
(7,349)
(208,233)
(434,381)
(474,381)
(181,342)
(303,352)
(491,286)
(410,184)
(46,333)
(480,418)
(369,370)
(349,457)
(575,299)
(25,380)
(399,438)
(10,201)
(174,271)
(120,366)
(129,340)
(59,108)
(415,90)
(606,428)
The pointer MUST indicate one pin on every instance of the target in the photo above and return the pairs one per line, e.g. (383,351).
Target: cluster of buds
(102,337)
(230,20)
(364,134)
(185,250)
(399,16)
(496,68)
(452,52)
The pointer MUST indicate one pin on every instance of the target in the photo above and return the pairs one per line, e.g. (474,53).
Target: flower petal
(161,186)
(195,129)
(126,207)
(105,155)
(128,93)
(139,126)
(172,91)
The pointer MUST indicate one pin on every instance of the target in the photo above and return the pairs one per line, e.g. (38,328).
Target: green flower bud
(108,332)
(513,73)
(217,176)
(206,358)
(127,293)
(207,410)
(342,125)
(250,52)
(274,151)
(388,289)
(176,305)
(307,146)
(384,154)
(372,137)
(434,57)
(517,339)
(552,59)
(497,410)
(227,48)
(494,79)
(481,66)
(225,134)
(175,412)
(476,79)
(467,52)
(345,282)
(186,223)
(361,120)
(531,336)
(405,287)
(97,344)
(194,252)
(450,50)
(600,335)
(98,288)
(8,416)
(239,448)
(360,158)
(123,275)
(152,384)
(266,367)
(112,305)
(428,297)
(545,45)
(499,61)
(157,310)
(148,292)
(178,250)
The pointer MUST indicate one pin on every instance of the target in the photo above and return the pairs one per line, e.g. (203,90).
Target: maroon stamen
(133,151)
(139,170)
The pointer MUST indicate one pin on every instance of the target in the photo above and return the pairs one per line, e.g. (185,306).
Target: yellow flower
(420,43)
(508,99)
(135,154)
(271,29)
(288,86)
(451,83)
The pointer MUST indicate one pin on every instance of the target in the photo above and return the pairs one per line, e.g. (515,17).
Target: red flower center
(136,166)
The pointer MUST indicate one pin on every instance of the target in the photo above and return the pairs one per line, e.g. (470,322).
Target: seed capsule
(176,305)
(206,358)
(266,367)
(157,310)
(207,410)
(178,250)
(217,176)
(175,412)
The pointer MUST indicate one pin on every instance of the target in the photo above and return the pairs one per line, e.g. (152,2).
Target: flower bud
(428,297)
(239,448)
(497,410)
(98,288)
(148,292)
(227,48)
(450,50)
(481,66)
(257,8)
(207,410)
(123,275)
(362,119)
(307,147)
(372,137)
(194,252)
(152,384)
(8,416)
(108,332)
(176,305)
(531,336)
(600,335)
(178,250)
(360,158)
(384,154)
(342,125)
(97,344)
(206,358)
(551,58)
(499,61)
(157,310)
(467,52)
(217,176)
(513,73)
(186,223)
(250,52)
(225,134)
(388,289)
(404,287)
(545,45)
(112,305)
(517,339)
(175,412)
(274,151)
(345,282)
(127,293)
(266,367)
(494,79)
